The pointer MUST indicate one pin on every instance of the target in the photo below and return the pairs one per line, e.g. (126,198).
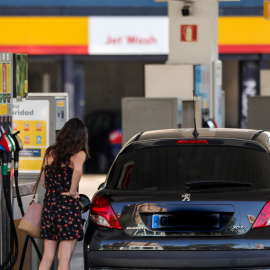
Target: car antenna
(195,132)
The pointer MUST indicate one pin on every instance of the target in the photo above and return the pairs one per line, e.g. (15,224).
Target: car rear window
(170,168)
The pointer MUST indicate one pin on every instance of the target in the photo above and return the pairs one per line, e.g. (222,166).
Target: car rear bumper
(179,259)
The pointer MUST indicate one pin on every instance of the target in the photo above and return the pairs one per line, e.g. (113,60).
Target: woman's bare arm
(78,162)
(43,174)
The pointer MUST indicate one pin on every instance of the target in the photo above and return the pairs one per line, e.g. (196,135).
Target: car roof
(259,136)
(224,133)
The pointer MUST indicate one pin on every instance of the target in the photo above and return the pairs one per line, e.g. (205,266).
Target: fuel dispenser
(39,118)
(13,85)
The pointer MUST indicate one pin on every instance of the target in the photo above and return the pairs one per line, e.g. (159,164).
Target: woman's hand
(75,195)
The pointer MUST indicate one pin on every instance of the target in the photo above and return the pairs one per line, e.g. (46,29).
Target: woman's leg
(50,247)
(65,251)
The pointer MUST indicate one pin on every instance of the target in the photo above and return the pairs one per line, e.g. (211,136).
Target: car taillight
(102,213)
(263,220)
(115,137)
(192,142)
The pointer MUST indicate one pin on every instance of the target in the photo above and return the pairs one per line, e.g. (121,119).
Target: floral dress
(61,216)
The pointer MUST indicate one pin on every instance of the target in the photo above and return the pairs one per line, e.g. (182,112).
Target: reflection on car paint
(141,246)
(126,175)
(184,244)
(141,229)
(259,246)
(251,219)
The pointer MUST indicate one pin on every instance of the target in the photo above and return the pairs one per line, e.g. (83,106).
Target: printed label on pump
(26,86)
(30,153)
(3,109)
(1,78)
(8,78)
(15,127)
(33,135)
(26,126)
(26,139)
(30,133)
(1,83)
(4,78)
(39,126)
(31,118)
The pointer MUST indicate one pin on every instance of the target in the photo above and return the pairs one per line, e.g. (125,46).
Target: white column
(197,44)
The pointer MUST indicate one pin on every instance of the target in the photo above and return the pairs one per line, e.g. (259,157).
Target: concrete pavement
(88,186)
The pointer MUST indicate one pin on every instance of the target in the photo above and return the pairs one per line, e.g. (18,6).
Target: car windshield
(174,168)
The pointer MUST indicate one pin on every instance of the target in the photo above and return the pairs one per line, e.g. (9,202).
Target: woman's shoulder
(79,155)
(78,159)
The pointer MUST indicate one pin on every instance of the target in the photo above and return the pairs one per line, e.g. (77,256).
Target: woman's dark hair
(71,139)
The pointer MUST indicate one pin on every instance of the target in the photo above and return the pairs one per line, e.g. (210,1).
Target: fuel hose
(19,147)
(10,260)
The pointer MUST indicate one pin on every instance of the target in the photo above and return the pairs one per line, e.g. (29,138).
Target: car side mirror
(101,186)
(84,202)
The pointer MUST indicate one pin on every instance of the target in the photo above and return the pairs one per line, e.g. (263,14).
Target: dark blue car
(175,201)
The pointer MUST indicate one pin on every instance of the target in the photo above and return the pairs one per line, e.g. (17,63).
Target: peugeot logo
(186,197)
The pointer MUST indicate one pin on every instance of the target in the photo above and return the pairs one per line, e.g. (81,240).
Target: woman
(62,171)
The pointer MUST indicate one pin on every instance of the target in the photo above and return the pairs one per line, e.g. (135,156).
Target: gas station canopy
(97,35)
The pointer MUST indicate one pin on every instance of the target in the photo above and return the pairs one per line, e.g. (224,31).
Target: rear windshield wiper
(214,184)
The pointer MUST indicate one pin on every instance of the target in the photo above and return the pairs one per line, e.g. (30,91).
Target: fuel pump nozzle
(5,142)
(19,146)
(7,146)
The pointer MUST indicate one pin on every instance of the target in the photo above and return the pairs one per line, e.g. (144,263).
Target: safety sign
(31,119)
(189,33)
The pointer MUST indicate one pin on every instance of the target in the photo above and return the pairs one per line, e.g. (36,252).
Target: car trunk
(187,214)
(189,187)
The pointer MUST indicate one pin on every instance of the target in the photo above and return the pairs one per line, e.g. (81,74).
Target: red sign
(189,33)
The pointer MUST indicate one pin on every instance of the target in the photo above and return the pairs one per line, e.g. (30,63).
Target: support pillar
(79,90)
(193,44)
(193,39)
(68,82)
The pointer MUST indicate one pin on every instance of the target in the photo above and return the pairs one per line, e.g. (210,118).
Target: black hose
(10,260)
(24,251)
(9,257)
(13,234)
